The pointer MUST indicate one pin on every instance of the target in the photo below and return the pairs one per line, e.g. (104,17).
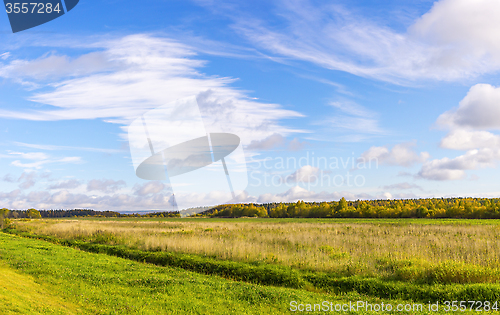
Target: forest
(33,214)
(466,208)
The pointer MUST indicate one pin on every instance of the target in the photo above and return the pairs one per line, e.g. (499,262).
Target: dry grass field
(405,251)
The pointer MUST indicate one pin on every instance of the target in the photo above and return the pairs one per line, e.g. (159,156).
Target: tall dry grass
(401,251)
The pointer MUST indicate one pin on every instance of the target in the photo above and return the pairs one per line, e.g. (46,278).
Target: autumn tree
(33,214)
(3,217)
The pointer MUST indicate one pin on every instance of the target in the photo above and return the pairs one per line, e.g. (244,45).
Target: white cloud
(479,109)
(37,196)
(39,158)
(39,164)
(470,26)
(296,145)
(352,122)
(152,187)
(27,180)
(66,200)
(8,178)
(30,155)
(477,112)
(105,185)
(10,195)
(305,174)
(66,184)
(273,141)
(53,66)
(462,139)
(138,73)
(401,154)
(456,39)
(454,169)
(298,193)
(49,147)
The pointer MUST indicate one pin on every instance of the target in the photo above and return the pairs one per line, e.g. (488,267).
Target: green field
(243,266)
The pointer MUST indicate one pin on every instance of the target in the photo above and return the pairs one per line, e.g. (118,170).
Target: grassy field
(38,277)
(412,260)
(448,251)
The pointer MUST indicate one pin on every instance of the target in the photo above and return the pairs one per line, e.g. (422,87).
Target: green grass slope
(21,294)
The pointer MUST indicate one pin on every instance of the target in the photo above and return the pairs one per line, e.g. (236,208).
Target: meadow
(406,250)
(37,277)
(405,259)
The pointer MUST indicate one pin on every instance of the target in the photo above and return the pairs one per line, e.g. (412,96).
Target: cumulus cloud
(273,141)
(27,180)
(296,145)
(10,195)
(401,154)
(66,184)
(305,174)
(469,27)
(454,169)
(298,193)
(64,199)
(165,202)
(8,178)
(479,109)
(38,196)
(469,130)
(152,187)
(463,139)
(105,185)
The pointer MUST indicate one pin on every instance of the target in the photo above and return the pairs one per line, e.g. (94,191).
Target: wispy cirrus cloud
(352,122)
(454,40)
(130,75)
(49,147)
(36,160)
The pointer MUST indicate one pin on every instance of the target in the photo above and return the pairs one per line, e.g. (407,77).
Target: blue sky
(412,86)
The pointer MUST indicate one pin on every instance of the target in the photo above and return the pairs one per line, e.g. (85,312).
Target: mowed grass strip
(21,294)
(87,283)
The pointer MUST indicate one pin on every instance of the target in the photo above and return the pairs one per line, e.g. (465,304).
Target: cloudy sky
(399,99)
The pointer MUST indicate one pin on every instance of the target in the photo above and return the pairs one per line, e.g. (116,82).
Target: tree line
(470,208)
(35,214)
